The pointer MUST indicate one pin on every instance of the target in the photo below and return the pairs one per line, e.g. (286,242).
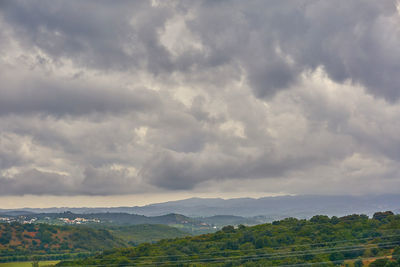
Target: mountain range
(270,208)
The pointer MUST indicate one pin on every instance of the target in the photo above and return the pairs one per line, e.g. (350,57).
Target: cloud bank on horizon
(125,97)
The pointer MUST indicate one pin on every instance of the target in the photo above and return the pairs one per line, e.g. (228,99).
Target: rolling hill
(289,242)
(187,224)
(141,233)
(20,241)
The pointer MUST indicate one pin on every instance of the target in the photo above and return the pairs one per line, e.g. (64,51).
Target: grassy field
(27,264)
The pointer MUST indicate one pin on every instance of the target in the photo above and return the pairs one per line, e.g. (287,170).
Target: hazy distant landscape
(270,208)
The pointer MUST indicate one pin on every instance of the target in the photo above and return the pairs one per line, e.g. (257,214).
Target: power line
(376,232)
(260,249)
(320,262)
(231,259)
(269,256)
(328,262)
(255,250)
(261,256)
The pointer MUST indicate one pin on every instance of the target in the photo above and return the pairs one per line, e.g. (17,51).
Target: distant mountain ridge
(277,207)
(302,206)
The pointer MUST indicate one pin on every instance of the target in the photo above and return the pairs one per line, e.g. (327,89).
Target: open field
(27,264)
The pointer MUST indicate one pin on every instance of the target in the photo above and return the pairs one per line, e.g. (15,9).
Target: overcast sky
(108,101)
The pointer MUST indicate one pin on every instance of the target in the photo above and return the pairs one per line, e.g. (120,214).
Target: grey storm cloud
(94,34)
(276,41)
(95,182)
(34,182)
(272,41)
(125,97)
(173,170)
(69,98)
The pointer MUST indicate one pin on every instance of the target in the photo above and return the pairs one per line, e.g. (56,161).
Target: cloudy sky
(131,102)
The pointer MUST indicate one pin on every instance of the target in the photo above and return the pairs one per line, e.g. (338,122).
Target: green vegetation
(351,240)
(222,220)
(28,264)
(16,237)
(21,242)
(137,234)
(24,242)
(101,220)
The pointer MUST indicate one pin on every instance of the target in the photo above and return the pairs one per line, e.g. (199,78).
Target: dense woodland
(352,240)
(136,234)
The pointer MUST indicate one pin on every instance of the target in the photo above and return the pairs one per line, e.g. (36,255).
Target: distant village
(19,219)
(79,220)
(25,220)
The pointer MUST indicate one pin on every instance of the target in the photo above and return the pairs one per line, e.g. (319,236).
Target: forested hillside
(19,240)
(353,240)
(141,233)
(113,218)
(193,226)
(23,241)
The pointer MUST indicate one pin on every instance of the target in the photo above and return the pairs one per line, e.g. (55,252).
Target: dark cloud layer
(95,34)
(276,41)
(95,182)
(34,182)
(69,98)
(273,41)
(101,98)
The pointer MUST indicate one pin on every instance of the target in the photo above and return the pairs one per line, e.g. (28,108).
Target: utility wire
(261,249)
(266,256)
(261,256)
